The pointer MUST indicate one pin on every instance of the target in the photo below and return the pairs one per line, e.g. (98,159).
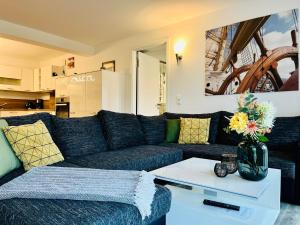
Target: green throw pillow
(8,159)
(173,130)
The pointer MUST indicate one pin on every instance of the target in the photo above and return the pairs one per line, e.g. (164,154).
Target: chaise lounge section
(82,142)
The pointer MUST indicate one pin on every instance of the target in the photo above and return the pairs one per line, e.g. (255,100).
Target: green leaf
(262,138)
(244,110)
(226,130)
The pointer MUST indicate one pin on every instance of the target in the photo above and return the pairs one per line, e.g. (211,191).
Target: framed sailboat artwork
(257,55)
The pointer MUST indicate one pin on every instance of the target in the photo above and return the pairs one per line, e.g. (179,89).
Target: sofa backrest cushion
(224,138)
(214,122)
(154,128)
(79,136)
(121,130)
(285,134)
(30,119)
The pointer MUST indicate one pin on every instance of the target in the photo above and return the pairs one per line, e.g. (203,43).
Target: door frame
(134,77)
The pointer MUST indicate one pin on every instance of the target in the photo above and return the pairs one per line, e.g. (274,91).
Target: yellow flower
(239,122)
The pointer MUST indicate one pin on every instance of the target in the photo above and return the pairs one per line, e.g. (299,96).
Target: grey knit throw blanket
(131,187)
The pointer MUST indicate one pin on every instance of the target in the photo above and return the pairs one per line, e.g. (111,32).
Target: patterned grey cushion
(154,128)
(143,157)
(214,123)
(121,130)
(29,119)
(67,212)
(79,136)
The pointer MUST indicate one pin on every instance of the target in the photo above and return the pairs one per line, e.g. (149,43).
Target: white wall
(187,80)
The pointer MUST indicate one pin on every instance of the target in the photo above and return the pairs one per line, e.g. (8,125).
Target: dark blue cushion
(121,130)
(285,134)
(223,137)
(143,157)
(214,122)
(66,212)
(154,128)
(29,119)
(79,136)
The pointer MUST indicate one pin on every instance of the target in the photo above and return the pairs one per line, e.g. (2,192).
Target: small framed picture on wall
(109,65)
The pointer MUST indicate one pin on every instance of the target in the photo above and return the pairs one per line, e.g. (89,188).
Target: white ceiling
(93,22)
(17,49)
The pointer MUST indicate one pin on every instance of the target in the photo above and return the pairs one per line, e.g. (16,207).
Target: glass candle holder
(221,170)
(230,160)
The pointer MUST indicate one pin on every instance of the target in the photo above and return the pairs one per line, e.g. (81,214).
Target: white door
(148,85)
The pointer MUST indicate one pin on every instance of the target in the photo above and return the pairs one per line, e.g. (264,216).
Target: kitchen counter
(23,112)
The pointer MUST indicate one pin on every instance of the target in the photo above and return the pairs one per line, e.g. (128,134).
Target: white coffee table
(259,201)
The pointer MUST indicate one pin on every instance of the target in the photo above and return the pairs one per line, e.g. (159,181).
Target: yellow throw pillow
(194,131)
(33,145)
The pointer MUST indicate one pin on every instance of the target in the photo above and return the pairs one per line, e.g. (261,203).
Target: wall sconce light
(178,49)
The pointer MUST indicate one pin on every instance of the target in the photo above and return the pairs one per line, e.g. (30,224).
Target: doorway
(151,80)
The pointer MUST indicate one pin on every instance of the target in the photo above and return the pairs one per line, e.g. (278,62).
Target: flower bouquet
(253,120)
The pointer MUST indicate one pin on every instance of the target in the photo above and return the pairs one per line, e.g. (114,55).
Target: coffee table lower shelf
(187,208)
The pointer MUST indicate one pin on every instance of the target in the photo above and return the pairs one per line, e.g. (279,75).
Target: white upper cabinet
(47,81)
(93,93)
(62,86)
(27,81)
(77,89)
(36,79)
(10,72)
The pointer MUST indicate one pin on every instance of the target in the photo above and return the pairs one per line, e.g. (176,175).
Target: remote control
(221,205)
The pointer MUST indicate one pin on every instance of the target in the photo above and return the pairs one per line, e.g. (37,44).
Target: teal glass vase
(252,160)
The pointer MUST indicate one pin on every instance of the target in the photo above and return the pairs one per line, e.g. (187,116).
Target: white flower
(267,112)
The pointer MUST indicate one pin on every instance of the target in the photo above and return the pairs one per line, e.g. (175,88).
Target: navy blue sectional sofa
(124,141)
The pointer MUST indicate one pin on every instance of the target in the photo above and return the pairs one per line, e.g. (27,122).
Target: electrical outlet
(178,99)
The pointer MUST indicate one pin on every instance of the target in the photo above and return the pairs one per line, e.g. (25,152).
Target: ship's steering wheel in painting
(261,75)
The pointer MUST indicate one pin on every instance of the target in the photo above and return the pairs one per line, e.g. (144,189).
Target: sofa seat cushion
(121,130)
(79,136)
(285,161)
(211,151)
(66,212)
(214,122)
(143,157)
(154,128)
(29,119)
